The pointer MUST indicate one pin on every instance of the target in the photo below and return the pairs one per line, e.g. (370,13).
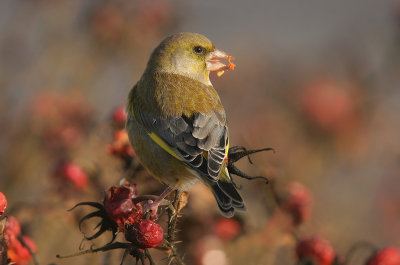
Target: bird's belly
(160,163)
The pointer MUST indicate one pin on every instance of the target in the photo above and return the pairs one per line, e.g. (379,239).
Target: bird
(176,122)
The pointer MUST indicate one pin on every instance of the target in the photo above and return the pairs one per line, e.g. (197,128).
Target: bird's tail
(228,198)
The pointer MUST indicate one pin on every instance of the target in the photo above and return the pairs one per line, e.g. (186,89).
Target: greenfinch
(176,122)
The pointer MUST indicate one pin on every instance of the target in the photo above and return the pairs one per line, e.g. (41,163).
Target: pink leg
(153,207)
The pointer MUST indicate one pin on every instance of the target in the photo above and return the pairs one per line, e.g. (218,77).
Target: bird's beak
(214,64)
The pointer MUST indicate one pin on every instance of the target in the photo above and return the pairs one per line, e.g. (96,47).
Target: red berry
(74,174)
(119,115)
(119,205)
(328,104)
(20,254)
(29,241)
(12,230)
(316,249)
(15,250)
(121,146)
(226,229)
(386,256)
(144,234)
(3,203)
(298,202)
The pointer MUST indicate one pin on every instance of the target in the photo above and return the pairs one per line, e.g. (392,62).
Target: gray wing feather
(212,138)
(191,136)
(200,120)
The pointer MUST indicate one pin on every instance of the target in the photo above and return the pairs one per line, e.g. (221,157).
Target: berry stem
(115,245)
(147,253)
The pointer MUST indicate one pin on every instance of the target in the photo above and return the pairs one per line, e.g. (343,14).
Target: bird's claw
(152,208)
(236,153)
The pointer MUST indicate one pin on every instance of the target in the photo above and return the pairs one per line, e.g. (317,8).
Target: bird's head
(188,54)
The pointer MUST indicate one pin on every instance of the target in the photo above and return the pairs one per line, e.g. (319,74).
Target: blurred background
(317,81)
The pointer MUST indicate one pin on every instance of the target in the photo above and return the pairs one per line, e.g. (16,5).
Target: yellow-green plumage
(167,94)
(176,122)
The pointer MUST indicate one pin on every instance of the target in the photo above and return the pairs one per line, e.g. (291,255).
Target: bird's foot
(236,153)
(151,208)
(152,205)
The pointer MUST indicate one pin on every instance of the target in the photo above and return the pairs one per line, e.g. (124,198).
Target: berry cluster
(297,201)
(119,205)
(122,211)
(318,251)
(121,147)
(127,214)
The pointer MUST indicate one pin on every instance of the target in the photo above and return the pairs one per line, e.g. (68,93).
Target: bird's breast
(163,166)
(180,95)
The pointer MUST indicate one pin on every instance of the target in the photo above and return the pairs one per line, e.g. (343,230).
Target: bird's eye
(199,49)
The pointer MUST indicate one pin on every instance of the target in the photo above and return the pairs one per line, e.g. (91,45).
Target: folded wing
(200,140)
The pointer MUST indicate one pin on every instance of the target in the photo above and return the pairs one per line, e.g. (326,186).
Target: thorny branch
(173,215)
